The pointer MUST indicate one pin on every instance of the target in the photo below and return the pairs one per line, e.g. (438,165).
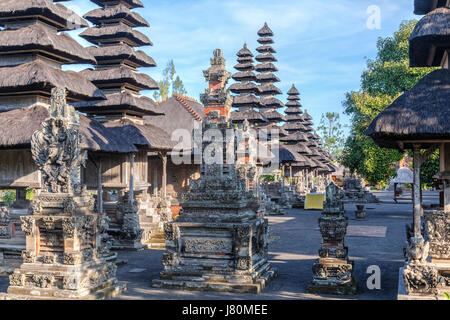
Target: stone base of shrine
(90,280)
(233,283)
(110,291)
(404,295)
(333,287)
(124,244)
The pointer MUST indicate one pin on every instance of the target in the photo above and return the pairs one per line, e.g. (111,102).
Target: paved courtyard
(295,239)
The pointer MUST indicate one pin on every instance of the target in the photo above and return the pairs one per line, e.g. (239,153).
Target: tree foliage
(169,85)
(383,80)
(331,132)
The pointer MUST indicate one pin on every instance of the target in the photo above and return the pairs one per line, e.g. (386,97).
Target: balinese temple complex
(419,121)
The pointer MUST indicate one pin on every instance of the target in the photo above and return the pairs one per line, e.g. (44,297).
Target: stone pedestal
(360,213)
(333,271)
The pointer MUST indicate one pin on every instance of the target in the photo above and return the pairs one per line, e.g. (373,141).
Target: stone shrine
(354,192)
(62,259)
(333,271)
(218,243)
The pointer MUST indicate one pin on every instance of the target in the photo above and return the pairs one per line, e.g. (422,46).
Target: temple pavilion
(419,121)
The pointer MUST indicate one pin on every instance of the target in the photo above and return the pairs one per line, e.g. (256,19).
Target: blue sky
(321,45)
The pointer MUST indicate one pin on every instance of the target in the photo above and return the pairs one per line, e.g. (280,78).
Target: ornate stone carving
(28,225)
(5,217)
(438,233)
(49,259)
(28,256)
(72,258)
(169,231)
(17,280)
(56,148)
(43,281)
(243,263)
(420,278)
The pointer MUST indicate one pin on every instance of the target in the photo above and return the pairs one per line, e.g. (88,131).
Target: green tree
(383,80)
(331,132)
(169,85)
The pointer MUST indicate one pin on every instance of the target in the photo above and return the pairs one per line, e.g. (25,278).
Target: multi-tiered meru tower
(266,77)
(246,90)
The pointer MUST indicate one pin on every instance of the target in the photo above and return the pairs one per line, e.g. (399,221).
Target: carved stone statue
(63,258)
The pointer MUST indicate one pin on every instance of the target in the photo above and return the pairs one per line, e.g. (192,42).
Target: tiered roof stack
(266,77)
(245,90)
(116,72)
(32,52)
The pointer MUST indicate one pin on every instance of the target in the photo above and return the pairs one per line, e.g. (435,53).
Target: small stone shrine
(218,243)
(62,259)
(333,271)
(354,192)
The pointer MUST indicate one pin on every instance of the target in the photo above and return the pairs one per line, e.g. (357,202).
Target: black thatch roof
(246,87)
(19,125)
(45,10)
(119,102)
(265,40)
(423,113)
(293,104)
(245,101)
(39,76)
(244,76)
(273,115)
(146,135)
(306,116)
(116,13)
(120,75)
(265,31)
(266,48)
(291,126)
(293,117)
(425,6)
(269,89)
(266,57)
(248,66)
(130,3)
(293,91)
(295,137)
(430,39)
(38,38)
(121,52)
(244,52)
(250,115)
(294,110)
(271,102)
(266,67)
(267,77)
(115,32)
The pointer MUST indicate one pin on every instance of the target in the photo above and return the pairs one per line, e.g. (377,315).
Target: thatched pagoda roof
(37,38)
(294,157)
(422,113)
(302,148)
(266,67)
(291,126)
(19,125)
(424,6)
(121,52)
(118,102)
(293,117)
(265,40)
(132,4)
(295,137)
(293,104)
(246,87)
(248,66)
(244,76)
(119,12)
(55,15)
(39,76)
(265,31)
(246,101)
(294,110)
(250,115)
(273,115)
(269,89)
(119,76)
(266,57)
(267,77)
(266,48)
(293,91)
(244,52)
(146,135)
(114,33)
(306,116)
(430,39)
(271,102)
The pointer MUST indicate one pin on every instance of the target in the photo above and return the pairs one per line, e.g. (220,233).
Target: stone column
(99,187)
(416,186)
(131,186)
(164,175)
